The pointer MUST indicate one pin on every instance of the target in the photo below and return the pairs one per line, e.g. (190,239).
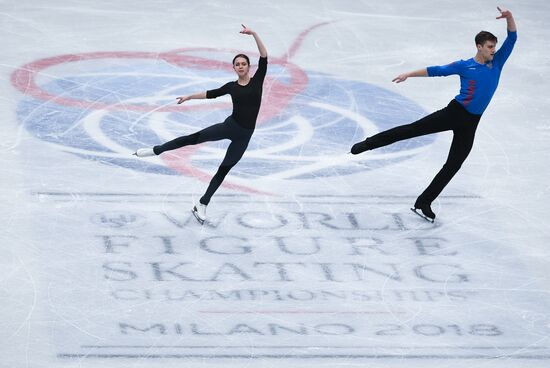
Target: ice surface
(310,256)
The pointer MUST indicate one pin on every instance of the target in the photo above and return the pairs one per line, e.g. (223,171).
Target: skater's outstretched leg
(176,143)
(436,122)
(215,132)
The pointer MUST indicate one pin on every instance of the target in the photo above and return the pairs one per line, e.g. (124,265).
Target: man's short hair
(485,36)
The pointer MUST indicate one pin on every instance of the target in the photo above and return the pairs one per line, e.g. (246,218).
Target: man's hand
(401,78)
(510,22)
(504,13)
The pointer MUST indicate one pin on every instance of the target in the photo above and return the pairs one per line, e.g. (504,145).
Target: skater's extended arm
(510,22)
(196,96)
(259,43)
(508,45)
(417,73)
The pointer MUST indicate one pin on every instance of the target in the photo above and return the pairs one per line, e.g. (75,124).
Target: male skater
(479,78)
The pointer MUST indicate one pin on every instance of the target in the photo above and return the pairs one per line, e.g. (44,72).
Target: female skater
(246,94)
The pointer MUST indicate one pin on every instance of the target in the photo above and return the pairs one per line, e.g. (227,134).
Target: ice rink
(310,256)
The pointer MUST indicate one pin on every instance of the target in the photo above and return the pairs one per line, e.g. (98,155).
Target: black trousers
(453,117)
(229,129)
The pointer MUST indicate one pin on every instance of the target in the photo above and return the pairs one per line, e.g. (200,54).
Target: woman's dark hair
(242,56)
(485,36)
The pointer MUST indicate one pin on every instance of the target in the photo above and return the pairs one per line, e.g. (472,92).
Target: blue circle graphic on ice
(102,106)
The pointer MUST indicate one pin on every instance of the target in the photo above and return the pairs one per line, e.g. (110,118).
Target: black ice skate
(359,147)
(424,211)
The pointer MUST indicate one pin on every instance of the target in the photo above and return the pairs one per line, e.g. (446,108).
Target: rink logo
(329,276)
(102,106)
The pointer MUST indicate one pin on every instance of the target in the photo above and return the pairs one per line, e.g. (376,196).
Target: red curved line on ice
(24,79)
(277,95)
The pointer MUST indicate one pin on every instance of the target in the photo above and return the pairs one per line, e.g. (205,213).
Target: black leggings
(229,129)
(453,117)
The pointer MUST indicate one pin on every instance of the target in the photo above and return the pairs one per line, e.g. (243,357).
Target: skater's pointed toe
(145,152)
(359,147)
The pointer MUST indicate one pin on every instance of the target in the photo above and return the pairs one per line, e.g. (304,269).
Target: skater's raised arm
(505,50)
(510,22)
(417,73)
(259,43)
(196,96)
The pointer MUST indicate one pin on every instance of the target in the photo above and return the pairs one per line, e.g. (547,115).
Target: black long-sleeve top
(246,99)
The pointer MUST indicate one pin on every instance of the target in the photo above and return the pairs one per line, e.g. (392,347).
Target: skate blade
(194,212)
(422,215)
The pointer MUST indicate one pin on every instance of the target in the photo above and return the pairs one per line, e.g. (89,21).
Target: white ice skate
(144,152)
(199,210)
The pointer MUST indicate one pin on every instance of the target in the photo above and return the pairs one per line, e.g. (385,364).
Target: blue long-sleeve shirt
(478,82)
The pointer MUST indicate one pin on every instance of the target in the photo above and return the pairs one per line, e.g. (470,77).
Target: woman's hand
(246,30)
(259,43)
(182,99)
